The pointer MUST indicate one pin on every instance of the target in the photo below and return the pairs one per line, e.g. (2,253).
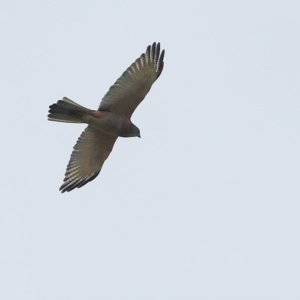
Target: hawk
(111,120)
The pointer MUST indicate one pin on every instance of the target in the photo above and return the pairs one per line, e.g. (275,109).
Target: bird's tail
(68,111)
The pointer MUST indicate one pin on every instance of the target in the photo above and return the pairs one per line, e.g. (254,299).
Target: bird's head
(135,131)
(130,131)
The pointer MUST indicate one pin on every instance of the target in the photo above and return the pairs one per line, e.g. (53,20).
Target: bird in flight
(111,120)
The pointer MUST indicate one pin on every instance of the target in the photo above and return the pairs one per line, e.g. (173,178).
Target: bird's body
(111,120)
(107,122)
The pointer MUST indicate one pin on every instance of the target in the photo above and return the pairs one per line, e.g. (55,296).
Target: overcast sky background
(205,205)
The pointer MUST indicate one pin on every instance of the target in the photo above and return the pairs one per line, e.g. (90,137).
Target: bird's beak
(139,136)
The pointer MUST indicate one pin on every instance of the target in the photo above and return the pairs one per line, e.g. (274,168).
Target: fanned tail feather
(68,111)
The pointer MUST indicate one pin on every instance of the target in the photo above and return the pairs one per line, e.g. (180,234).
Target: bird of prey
(111,120)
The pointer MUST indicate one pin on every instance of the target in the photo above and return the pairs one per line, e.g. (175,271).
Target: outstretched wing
(90,152)
(131,88)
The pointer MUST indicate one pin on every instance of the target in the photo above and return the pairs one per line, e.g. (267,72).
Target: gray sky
(205,205)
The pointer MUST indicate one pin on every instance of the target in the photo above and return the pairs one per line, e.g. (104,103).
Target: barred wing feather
(91,150)
(131,88)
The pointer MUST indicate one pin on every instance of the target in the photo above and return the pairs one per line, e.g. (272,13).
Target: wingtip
(70,185)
